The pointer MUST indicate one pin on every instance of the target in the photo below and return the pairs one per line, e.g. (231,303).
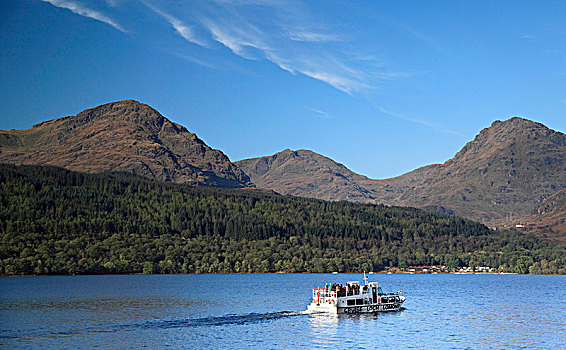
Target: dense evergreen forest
(54,221)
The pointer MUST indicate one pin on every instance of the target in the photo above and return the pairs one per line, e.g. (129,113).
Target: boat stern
(322,308)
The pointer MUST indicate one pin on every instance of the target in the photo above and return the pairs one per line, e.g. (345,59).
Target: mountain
(506,171)
(126,136)
(305,173)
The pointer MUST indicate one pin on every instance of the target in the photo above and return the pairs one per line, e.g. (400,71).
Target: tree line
(55,221)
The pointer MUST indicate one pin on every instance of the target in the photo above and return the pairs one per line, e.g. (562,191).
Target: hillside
(549,222)
(122,136)
(506,171)
(307,174)
(54,221)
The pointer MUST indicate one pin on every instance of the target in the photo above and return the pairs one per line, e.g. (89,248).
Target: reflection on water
(323,329)
(268,311)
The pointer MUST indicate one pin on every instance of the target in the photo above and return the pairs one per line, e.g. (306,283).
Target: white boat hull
(359,309)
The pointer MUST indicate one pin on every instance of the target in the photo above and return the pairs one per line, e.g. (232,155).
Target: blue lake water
(266,311)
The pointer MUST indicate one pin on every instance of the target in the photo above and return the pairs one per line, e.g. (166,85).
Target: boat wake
(174,323)
(209,321)
(219,320)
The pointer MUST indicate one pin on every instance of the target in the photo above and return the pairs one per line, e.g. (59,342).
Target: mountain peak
(124,136)
(305,173)
(512,132)
(517,124)
(508,169)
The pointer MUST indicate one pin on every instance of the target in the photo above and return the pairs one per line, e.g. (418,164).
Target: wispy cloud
(244,41)
(321,114)
(112,3)
(307,36)
(82,10)
(180,27)
(290,39)
(341,82)
(282,32)
(426,123)
(192,59)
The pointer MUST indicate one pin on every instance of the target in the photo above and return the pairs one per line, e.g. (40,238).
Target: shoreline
(283,273)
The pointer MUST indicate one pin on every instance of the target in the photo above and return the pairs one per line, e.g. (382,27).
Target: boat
(354,299)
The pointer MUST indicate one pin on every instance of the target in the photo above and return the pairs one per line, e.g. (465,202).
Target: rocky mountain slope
(122,136)
(306,174)
(549,222)
(505,172)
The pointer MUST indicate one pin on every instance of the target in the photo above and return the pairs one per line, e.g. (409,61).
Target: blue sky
(383,87)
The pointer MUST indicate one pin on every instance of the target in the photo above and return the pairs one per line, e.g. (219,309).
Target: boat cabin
(354,298)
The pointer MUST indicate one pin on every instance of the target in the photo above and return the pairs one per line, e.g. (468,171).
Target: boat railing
(318,293)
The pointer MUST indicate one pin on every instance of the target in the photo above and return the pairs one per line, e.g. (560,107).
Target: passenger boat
(353,298)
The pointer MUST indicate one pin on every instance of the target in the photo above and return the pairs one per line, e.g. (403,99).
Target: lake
(266,311)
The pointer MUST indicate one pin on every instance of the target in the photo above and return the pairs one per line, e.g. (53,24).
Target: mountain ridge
(122,136)
(508,169)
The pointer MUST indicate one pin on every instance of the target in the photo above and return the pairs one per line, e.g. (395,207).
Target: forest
(55,221)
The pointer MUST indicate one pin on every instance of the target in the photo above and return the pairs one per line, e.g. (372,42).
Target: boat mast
(365,279)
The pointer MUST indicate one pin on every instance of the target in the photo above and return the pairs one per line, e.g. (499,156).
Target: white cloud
(81,10)
(340,82)
(421,122)
(180,27)
(192,59)
(280,32)
(238,41)
(321,114)
(307,36)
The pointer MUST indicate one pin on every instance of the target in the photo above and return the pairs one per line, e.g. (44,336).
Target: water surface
(267,311)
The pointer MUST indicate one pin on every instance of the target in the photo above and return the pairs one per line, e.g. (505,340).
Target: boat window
(351,302)
(359,301)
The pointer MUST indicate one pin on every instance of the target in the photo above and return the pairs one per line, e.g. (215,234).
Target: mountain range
(504,174)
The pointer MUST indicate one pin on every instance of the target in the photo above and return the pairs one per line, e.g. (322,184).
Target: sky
(383,87)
